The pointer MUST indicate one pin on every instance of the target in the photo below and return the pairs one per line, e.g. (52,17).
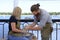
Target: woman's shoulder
(12,17)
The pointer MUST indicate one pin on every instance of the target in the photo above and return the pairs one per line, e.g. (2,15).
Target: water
(28,17)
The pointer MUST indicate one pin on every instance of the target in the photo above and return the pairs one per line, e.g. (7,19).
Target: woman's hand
(24,31)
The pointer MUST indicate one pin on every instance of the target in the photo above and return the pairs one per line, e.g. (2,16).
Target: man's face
(36,12)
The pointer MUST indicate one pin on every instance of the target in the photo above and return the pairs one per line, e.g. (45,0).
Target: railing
(30,20)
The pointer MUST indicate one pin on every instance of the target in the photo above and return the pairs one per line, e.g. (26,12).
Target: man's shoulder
(43,10)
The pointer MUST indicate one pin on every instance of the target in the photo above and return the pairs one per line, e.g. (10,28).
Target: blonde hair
(17,11)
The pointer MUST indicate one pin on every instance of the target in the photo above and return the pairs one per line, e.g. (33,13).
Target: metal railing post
(3,31)
(56,31)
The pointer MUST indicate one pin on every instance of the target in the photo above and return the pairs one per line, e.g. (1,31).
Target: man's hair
(34,7)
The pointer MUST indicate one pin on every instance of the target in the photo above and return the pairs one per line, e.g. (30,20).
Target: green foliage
(26,13)
(8,13)
(3,13)
(54,13)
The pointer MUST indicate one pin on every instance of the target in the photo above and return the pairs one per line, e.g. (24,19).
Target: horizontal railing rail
(27,20)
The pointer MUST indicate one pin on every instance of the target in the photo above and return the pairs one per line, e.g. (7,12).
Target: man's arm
(43,20)
(32,24)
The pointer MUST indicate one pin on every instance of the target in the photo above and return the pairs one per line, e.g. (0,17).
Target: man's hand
(28,27)
(36,27)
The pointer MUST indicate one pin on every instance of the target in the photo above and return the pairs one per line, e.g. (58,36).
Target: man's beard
(37,14)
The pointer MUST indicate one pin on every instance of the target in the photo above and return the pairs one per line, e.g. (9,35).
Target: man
(45,21)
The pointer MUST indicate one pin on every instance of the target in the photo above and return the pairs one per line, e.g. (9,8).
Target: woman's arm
(14,29)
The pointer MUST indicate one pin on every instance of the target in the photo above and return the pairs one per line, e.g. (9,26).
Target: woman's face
(18,13)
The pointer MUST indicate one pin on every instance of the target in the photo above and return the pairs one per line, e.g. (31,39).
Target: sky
(48,5)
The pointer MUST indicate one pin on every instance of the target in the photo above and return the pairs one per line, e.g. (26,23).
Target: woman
(15,33)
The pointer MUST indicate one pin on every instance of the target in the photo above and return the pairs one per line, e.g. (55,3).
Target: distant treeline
(8,13)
